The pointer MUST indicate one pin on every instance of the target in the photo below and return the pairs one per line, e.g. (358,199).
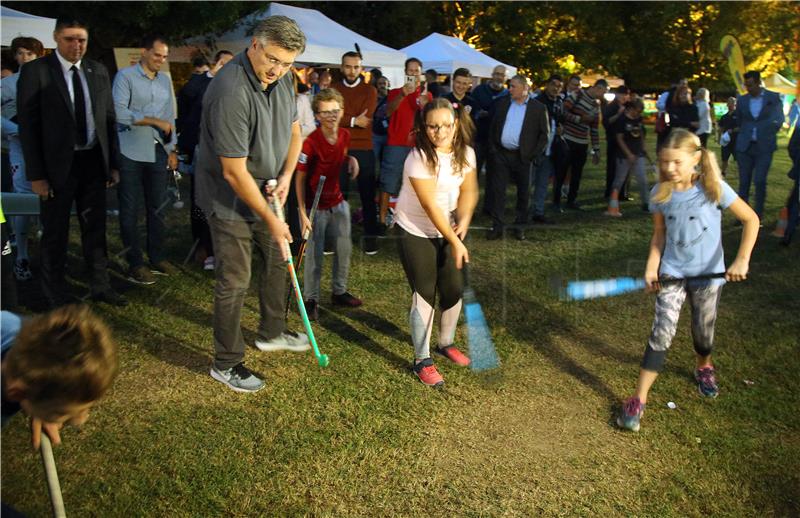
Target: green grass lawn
(363,437)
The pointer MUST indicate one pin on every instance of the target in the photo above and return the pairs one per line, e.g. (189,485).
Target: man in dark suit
(760,115)
(68,133)
(518,136)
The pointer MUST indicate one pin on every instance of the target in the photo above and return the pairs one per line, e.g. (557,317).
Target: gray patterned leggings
(703,298)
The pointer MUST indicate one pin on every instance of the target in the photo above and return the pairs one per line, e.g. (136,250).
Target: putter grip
(50,472)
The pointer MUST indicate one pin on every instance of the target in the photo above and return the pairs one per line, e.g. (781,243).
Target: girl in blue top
(687,216)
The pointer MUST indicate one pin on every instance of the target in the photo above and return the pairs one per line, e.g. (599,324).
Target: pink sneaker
(427,373)
(454,355)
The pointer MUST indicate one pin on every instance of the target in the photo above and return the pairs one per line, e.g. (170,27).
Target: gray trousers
(624,168)
(233,250)
(703,298)
(334,225)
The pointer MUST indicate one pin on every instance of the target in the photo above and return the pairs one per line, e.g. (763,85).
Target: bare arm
(300,191)
(285,178)
(467,200)
(656,249)
(425,189)
(740,266)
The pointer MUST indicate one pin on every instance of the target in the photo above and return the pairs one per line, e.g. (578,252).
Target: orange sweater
(357,99)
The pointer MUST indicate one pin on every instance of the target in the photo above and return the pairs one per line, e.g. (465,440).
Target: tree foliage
(647,43)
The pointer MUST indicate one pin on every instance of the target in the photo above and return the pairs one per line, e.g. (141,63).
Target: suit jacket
(47,122)
(535,128)
(767,124)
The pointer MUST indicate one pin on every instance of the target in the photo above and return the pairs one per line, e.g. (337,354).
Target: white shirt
(90,127)
(409,213)
(756,103)
(704,112)
(305,115)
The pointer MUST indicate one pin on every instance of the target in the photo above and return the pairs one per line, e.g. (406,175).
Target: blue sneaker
(706,382)
(632,411)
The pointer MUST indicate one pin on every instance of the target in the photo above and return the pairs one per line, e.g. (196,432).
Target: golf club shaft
(50,472)
(276,207)
(302,250)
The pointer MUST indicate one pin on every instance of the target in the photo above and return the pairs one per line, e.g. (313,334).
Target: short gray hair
(281,31)
(519,78)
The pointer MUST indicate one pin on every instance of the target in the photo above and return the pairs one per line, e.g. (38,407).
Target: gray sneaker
(286,341)
(141,275)
(238,378)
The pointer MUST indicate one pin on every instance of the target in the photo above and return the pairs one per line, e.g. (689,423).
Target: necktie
(80,107)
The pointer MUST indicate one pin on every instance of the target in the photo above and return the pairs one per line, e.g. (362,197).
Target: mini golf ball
(672,405)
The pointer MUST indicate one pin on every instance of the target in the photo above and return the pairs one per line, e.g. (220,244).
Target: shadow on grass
(159,343)
(348,333)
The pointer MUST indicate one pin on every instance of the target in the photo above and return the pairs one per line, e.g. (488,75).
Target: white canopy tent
(445,54)
(16,23)
(326,41)
(778,83)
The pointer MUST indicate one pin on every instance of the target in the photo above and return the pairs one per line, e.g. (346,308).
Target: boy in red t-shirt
(324,154)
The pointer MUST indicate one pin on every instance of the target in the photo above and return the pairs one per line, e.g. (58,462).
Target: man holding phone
(401,107)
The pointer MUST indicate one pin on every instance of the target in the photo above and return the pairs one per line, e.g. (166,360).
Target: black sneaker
(345,299)
(519,234)
(110,296)
(312,310)
(370,245)
(541,220)
(574,206)
(494,233)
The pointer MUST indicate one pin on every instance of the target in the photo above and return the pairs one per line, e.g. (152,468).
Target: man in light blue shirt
(144,103)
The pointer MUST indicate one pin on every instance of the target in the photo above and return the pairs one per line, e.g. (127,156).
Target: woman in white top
(706,113)
(436,203)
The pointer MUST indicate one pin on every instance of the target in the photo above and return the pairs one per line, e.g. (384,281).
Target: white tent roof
(445,54)
(16,23)
(778,83)
(326,39)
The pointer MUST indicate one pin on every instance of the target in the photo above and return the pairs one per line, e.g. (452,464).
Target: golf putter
(322,359)
(301,251)
(53,487)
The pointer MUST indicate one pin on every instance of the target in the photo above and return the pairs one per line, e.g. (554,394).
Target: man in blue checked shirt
(144,104)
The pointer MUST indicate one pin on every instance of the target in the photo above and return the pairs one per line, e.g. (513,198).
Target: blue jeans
(540,176)
(378,143)
(754,166)
(151,178)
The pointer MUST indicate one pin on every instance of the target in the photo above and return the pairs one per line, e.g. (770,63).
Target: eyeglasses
(434,128)
(275,62)
(329,113)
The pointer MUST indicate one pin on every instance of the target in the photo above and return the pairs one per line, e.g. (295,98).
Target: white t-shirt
(704,112)
(409,214)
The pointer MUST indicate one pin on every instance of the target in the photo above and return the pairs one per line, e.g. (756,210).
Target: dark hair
(149,40)
(24,42)
(621,89)
(574,76)
(199,60)
(351,54)
(636,103)
(7,61)
(463,136)
(554,77)
(753,74)
(222,53)
(461,72)
(412,60)
(601,82)
(431,72)
(70,23)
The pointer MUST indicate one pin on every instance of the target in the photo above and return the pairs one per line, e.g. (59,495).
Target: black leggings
(430,267)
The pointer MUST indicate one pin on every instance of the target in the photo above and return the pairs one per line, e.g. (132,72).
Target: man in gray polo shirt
(250,134)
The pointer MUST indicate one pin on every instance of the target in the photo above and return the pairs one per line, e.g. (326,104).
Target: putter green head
(323,360)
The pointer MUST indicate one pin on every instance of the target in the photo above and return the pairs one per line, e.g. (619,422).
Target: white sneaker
(209,264)
(286,341)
